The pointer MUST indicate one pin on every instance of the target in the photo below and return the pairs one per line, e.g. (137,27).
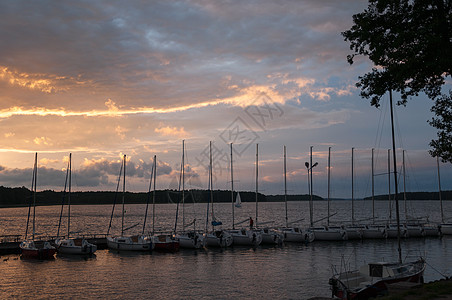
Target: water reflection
(292,271)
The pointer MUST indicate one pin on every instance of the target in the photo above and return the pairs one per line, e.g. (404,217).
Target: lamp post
(309,167)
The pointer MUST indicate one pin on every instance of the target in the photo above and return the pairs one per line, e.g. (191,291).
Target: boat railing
(86,236)
(10,238)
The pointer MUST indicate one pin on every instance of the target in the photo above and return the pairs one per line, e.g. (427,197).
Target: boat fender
(343,233)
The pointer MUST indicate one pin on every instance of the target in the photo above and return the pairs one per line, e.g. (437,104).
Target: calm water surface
(286,272)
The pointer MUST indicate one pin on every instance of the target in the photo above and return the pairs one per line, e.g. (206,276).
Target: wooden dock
(9,244)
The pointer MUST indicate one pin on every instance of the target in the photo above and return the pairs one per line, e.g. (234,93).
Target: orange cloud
(172,131)
(120,132)
(42,141)
(269,179)
(41,82)
(46,161)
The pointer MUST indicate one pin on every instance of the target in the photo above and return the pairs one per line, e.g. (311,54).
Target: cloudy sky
(100,79)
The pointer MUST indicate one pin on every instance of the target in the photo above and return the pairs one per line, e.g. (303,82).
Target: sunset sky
(100,79)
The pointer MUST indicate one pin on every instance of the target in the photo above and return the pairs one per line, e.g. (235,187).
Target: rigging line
(179,192)
(436,270)
(29,206)
(381,122)
(411,169)
(62,200)
(148,198)
(399,132)
(369,177)
(114,201)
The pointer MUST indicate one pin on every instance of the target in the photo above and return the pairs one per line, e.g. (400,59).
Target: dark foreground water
(286,272)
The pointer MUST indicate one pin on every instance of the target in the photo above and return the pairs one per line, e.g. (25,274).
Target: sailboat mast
(153,195)
(329,173)
(310,190)
(257,180)
(232,191)
(34,193)
(69,197)
(353,195)
(211,183)
(123,194)
(395,178)
(183,185)
(389,185)
(439,191)
(373,189)
(404,183)
(285,186)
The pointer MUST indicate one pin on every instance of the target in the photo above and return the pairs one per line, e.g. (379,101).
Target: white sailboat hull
(134,243)
(354,232)
(446,228)
(297,235)
(246,237)
(391,231)
(191,240)
(414,231)
(219,238)
(329,233)
(75,246)
(271,237)
(374,232)
(431,230)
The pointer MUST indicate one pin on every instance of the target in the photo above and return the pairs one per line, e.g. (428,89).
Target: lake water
(282,272)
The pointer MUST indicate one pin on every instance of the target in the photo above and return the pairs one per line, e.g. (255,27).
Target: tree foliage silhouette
(409,43)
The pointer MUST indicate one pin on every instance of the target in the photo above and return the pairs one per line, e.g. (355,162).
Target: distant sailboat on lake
(238,201)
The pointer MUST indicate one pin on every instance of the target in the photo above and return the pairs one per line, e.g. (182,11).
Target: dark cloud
(139,52)
(95,174)
(22,177)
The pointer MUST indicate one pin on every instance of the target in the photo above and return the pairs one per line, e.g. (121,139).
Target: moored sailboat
(29,247)
(372,279)
(122,242)
(373,231)
(163,242)
(190,239)
(247,236)
(72,245)
(289,233)
(444,227)
(354,231)
(215,237)
(327,232)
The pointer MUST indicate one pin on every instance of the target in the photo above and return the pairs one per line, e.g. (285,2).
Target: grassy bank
(441,289)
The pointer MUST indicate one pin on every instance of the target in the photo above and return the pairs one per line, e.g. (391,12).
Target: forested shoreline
(21,196)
